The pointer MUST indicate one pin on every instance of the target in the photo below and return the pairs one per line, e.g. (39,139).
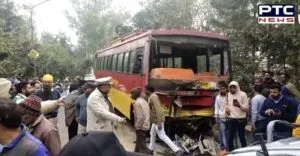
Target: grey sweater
(256,103)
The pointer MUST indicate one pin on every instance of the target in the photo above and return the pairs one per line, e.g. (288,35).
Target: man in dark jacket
(278,107)
(14,138)
(48,93)
(81,104)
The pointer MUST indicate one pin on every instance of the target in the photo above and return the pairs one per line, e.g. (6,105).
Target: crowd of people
(235,111)
(29,111)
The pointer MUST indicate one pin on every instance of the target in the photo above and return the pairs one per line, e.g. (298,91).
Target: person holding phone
(237,109)
(279,107)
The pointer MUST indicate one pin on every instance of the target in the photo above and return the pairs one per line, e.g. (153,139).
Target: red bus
(183,65)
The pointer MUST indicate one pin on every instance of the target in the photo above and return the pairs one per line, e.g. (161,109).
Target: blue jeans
(223,134)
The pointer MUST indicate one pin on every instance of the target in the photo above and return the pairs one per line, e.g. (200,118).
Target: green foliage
(57,58)
(123,29)
(278,43)
(96,23)
(169,14)
(13,40)
(56,55)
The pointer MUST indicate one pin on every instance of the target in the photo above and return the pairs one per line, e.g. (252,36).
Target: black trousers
(260,130)
(236,125)
(141,145)
(72,129)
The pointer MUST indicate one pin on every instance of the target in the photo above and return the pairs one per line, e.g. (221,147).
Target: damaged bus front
(185,70)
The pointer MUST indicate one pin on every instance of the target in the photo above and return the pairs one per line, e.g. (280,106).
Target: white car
(284,147)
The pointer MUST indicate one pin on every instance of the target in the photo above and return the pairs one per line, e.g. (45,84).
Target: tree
(96,23)
(123,29)
(187,14)
(13,40)
(57,57)
(237,19)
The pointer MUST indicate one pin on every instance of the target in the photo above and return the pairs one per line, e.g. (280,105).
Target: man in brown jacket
(157,118)
(38,125)
(141,119)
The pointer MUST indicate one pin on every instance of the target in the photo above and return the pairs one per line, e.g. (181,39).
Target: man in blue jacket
(279,107)
(81,103)
(14,138)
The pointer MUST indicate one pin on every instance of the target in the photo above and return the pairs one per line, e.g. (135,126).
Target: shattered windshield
(198,59)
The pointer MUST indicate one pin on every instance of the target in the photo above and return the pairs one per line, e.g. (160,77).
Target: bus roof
(162,32)
(188,33)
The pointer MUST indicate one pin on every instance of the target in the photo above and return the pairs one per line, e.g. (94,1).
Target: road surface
(125,134)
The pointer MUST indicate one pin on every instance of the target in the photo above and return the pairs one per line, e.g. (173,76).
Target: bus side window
(104,63)
(138,61)
(126,62)
(131,61)
(96,64)
(100,63)
(109,61)
(114,62)
(120,62)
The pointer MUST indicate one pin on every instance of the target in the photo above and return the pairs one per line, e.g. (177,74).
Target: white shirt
(220,106)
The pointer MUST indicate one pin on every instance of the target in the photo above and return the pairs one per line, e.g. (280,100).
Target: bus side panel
(146,61)
(122,84)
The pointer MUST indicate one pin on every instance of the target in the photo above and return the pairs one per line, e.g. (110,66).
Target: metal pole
(32,31)
(31,21)
(35,74)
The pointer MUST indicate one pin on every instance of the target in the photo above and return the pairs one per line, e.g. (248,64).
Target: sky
(50,16)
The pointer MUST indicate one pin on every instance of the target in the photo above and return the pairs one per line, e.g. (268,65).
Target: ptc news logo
(277,14)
